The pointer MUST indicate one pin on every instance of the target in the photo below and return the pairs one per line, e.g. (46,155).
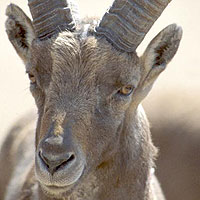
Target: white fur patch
(85,30)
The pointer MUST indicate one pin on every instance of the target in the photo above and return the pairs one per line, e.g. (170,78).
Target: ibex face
(82,101)
(86,85)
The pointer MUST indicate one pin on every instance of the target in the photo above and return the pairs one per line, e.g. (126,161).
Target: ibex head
(87,87)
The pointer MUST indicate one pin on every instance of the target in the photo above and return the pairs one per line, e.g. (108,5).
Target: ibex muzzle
(59,159)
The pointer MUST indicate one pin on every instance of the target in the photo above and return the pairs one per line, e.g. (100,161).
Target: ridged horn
(51,17)
(128,21)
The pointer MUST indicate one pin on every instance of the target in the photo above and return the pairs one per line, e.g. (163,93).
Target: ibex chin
(92,140)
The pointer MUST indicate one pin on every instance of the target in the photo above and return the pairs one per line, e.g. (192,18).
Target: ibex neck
(127,174)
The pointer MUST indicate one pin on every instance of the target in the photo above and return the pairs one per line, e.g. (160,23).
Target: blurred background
(173,107)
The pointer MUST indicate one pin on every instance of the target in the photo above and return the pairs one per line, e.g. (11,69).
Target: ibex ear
(158,54)
(20,31)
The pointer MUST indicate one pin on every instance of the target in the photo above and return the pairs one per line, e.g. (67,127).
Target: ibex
(92,139)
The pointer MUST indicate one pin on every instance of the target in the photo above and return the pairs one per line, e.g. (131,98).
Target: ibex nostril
(71,158)
(43,158)
(66,162)
(55,163)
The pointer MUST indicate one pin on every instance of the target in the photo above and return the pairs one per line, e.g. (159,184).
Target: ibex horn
(51,17)
(128,21)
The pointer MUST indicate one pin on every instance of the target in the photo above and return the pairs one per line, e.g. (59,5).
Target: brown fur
(77,93)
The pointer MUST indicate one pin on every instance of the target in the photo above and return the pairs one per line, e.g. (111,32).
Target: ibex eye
(32,78)
(126,90)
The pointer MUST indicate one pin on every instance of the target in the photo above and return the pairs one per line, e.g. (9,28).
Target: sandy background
(182,75)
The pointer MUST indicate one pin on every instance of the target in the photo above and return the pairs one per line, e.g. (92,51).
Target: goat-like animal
(92,139)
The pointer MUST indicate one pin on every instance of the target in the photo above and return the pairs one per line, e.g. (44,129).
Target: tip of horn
(127,22)
(51,17)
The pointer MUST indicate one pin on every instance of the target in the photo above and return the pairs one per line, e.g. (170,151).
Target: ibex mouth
(57,191)
(54,190)
(61,180)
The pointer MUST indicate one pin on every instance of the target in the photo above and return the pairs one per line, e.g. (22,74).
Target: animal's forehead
(70,62)
(90,59)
